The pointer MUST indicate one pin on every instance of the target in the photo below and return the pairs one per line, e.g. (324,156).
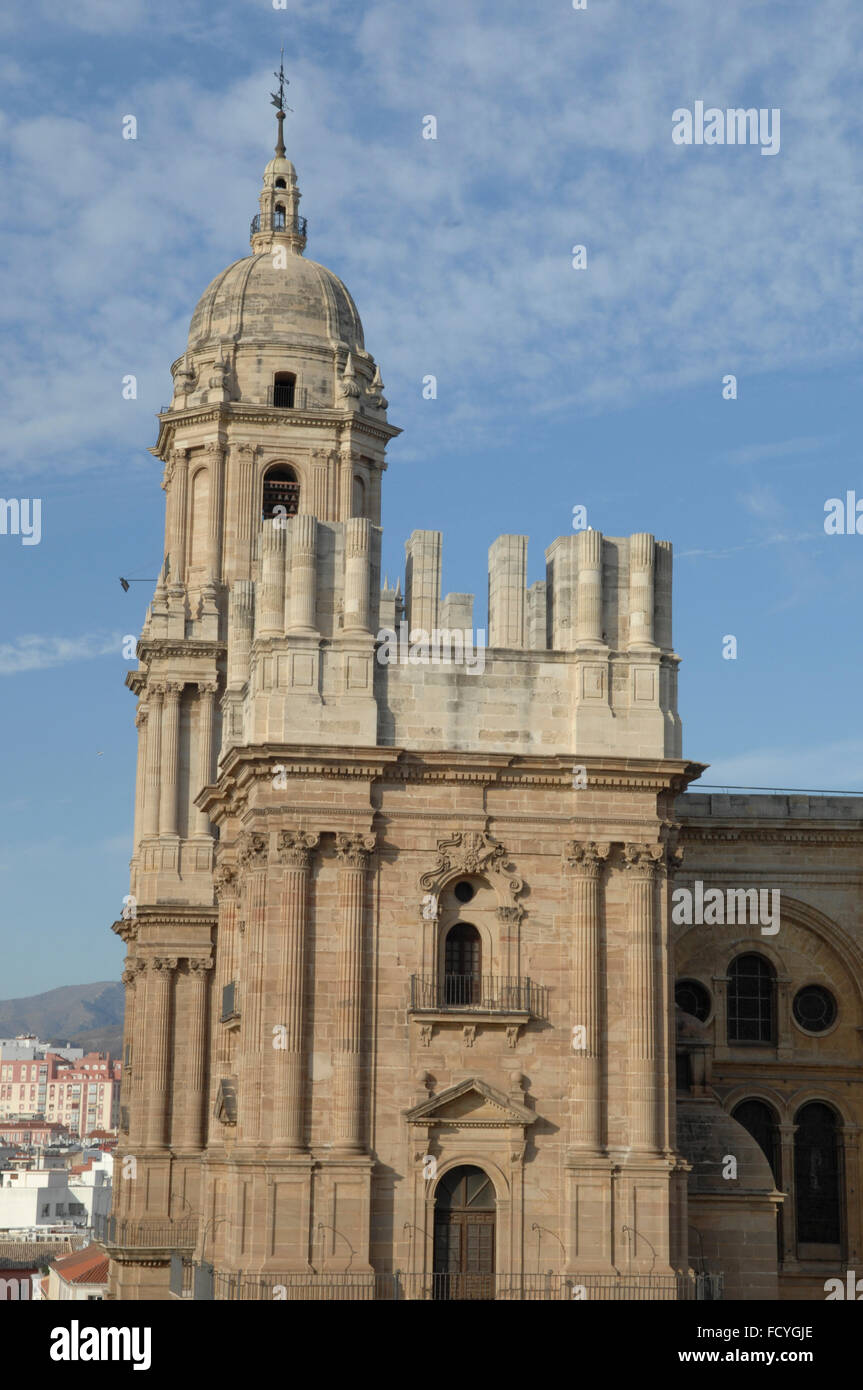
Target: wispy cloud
(37,653)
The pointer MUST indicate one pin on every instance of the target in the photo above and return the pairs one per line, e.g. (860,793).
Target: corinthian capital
(163,963)
(642,860)
(252,850)
(586,857)
(199,965)
(354,850)
(225,881)
(294,847)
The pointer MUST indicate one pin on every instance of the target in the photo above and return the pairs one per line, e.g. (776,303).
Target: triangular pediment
(470,1102)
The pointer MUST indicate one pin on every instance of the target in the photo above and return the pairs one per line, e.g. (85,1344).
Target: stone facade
(312,822)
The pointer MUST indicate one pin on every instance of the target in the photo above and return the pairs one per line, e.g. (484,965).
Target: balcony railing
(279,225)
(132,1234)
(478,993)
(200,1281)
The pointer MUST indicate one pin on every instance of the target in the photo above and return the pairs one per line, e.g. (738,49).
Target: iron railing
(132,1234)
(200,1281)
(278,226)
(486,993)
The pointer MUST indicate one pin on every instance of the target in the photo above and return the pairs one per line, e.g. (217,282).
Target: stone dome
(298,303)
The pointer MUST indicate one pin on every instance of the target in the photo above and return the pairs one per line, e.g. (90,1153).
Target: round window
(464,891)
(693,999)
(814,1008)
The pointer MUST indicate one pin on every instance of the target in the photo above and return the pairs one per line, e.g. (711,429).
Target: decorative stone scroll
(473,852)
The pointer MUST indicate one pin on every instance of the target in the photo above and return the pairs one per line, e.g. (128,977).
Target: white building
(36,1197)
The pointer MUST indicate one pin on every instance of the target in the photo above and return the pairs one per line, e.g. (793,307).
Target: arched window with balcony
(462,965)
(751,1000)
(817,1185)
(281,492)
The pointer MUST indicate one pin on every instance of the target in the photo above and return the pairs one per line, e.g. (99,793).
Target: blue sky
(555,386)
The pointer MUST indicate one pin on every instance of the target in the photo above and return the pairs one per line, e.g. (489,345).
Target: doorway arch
(464,1235)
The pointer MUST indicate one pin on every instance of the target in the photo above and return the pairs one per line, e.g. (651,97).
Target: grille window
(693,998)
(284,390)
(751,1001)
(814,1008)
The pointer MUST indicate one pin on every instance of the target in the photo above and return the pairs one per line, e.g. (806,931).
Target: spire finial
(278,100)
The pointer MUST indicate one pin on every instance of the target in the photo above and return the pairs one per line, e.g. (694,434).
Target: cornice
(224,412)
(774,835)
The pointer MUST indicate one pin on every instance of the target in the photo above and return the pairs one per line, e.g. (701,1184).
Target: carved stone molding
(642,859)
(252,850)
(426,1035)
(225,882)
(200,964)
(294,847)
(354,850)
(166,963)
(586,857)
(472,852)
(468,1033)
(131,973)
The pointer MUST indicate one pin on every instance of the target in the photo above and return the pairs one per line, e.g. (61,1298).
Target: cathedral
(411,1008)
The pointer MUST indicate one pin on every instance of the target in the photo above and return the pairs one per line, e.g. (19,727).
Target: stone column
(130,1074)
(225,884)
(215,459)
(304,566)
(789,1206)
(642,989)
(206,702)
(155,697)
(140,775)
(662,594)
(507,591)
(271,610)
(293,852)
(641,576)
(179,508)
(189,1130)
(422,580)
(588,621)
(357,574)
(252,858)
(586,863)
(170,759)
(353,853)
(241,607)
(248,514)
(157,1059)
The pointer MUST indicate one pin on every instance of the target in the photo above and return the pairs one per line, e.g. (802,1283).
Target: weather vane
(278,98)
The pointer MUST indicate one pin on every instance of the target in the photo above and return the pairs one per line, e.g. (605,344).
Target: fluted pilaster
(155,698)
(588,623)
(643,983)
(170,759)
(293,856)
(189,1124)
(206,705)
(357,574)
(157,1049)
(354,854)
(585,862)
(304,560)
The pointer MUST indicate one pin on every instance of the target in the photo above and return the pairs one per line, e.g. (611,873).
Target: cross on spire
(278,100)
